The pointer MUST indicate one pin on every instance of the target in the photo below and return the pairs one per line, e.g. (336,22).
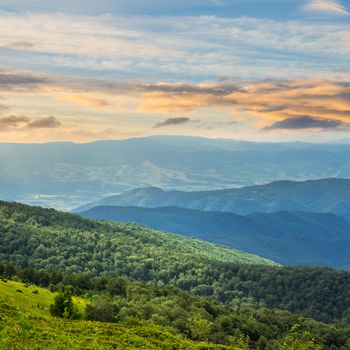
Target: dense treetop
(287,237)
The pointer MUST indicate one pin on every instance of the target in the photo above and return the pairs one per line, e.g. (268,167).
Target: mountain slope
(66,175)
(26,323)
(40,232)
(326,196)
(290,238)
(43,239)
(144,318)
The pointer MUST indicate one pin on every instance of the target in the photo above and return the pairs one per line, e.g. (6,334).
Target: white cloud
(327,7)
(174,48)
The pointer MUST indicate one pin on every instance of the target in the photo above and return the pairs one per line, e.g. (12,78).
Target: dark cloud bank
(22,122)
(172,121)
(306,122)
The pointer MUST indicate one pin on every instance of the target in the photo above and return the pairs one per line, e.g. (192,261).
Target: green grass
(32,299)
(25,323)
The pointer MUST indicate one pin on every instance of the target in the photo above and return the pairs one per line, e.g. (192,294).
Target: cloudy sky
(111,69)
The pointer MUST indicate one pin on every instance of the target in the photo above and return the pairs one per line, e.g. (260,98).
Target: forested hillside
(46,239)
(54,240)
(290,238)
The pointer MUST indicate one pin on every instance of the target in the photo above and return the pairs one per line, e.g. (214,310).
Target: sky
(261,70)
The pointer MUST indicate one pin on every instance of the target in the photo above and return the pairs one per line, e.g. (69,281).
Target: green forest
(130,276)
(184,315)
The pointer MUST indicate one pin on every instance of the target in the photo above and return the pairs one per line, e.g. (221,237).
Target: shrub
(63,305)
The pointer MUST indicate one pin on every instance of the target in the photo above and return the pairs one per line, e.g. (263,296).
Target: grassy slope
(25,323)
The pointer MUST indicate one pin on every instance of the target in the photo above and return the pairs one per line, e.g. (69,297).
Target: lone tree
(63,305)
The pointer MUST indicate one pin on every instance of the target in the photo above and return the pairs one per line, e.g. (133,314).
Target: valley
(68,175)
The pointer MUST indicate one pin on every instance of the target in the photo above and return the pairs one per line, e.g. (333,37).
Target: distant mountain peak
(66,175)
(324,195)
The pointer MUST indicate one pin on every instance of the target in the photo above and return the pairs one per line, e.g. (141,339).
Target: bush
(63,306)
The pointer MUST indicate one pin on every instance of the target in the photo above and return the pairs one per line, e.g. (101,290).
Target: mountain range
(318,196)
(290,238)
(67,175)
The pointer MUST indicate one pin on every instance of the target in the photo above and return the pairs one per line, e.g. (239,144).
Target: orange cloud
(268,100)
(130,105)
(87,101)
(165,102)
